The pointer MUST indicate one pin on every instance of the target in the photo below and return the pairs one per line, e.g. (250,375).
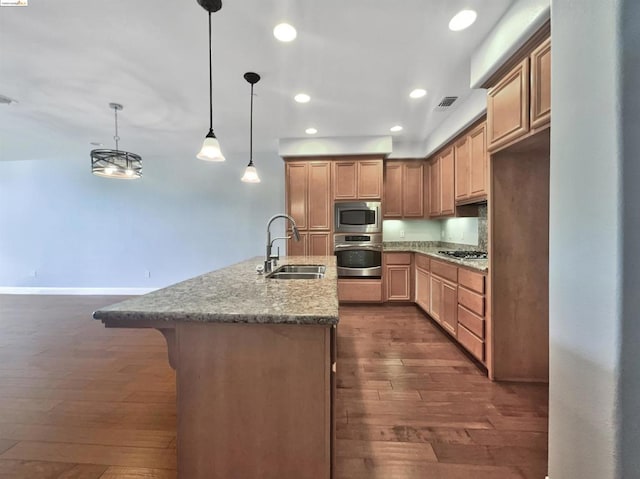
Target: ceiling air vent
(445,103)
(6,100)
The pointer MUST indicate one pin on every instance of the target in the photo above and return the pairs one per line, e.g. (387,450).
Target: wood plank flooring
(411,404)
(78,401)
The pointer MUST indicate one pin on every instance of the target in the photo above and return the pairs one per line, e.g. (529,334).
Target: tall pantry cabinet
(308,201)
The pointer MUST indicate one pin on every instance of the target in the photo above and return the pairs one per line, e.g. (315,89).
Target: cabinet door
(393,189)
(541,85)
(447,188)
(370,173)
(412,189)
(297,248)
(449,312)
(345,180)
(508,107)
(296,177)
(434,183)
(478,164)
(422,289)
(462,162)
(435,289)
(319,197)
(398,282)
(319,244)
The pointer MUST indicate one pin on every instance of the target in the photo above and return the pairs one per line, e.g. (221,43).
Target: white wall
(411,230)
(63,227)
(454,230)
(593,286)
(460,230)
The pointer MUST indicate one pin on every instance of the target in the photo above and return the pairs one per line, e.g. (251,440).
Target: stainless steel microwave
(358,217)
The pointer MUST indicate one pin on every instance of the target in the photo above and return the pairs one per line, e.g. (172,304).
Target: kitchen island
(255,368)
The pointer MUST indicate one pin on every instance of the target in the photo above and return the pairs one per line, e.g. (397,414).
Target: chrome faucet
(271,260)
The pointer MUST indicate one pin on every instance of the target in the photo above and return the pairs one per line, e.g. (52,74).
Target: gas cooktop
(465,254)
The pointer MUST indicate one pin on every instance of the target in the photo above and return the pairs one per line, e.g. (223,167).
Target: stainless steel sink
(302,268)
(298,271)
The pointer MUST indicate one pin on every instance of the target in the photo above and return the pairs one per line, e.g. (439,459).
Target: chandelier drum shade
(250,173)
(210,150)
(116,163)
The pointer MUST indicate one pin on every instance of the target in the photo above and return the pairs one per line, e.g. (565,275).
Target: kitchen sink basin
(298,271)
(302,268)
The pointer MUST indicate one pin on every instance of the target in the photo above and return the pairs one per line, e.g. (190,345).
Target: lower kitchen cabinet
(422,282)
(397,276)
(444,302)
(359,290)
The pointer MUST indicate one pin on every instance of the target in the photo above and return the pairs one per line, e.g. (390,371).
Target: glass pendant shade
(210,150)
(250,175)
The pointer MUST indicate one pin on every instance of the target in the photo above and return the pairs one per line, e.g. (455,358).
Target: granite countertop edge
(236,294)
(481,265)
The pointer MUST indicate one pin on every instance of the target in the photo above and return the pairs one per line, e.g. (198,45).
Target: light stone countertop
(481,265)
(237,294)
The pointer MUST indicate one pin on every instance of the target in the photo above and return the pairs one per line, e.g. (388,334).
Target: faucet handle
(276,257)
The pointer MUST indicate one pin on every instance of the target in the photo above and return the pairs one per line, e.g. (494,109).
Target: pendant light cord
(251,130)
(117,138)
(210,81)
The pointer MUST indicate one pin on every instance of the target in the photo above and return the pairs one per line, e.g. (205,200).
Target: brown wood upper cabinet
(308,201)
(442,184)
(521,100)
(541,85)
(471,166)
(404,187)
(357,179)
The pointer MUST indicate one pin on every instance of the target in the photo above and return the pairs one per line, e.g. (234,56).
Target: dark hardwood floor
(78,401)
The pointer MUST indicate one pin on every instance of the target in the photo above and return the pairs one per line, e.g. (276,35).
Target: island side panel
(254,400)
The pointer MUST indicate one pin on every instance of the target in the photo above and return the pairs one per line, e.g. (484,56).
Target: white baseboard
(76,291)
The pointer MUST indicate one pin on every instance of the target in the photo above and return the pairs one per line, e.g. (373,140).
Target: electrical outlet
(34,273)
(401,233)
(147,274)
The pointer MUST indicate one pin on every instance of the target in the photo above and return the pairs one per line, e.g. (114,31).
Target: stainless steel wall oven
(359,255)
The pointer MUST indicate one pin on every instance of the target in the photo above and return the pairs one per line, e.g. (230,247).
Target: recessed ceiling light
(285,32)
(418,93)
(302,98)
(463,19)
(311,131)
(395,129)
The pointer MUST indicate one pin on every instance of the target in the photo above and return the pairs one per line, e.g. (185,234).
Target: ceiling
(64,61)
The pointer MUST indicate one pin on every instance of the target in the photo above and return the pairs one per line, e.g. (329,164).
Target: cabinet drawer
(353,290)
(472,301)
(474,345)
(397,258)
(422,262)
(471,280)
(444,270)
(472,322)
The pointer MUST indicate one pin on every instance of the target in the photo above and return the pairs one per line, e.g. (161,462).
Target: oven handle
(351,247)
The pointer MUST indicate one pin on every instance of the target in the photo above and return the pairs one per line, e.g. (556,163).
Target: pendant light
(116,163)
(250,174)
(210,150)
